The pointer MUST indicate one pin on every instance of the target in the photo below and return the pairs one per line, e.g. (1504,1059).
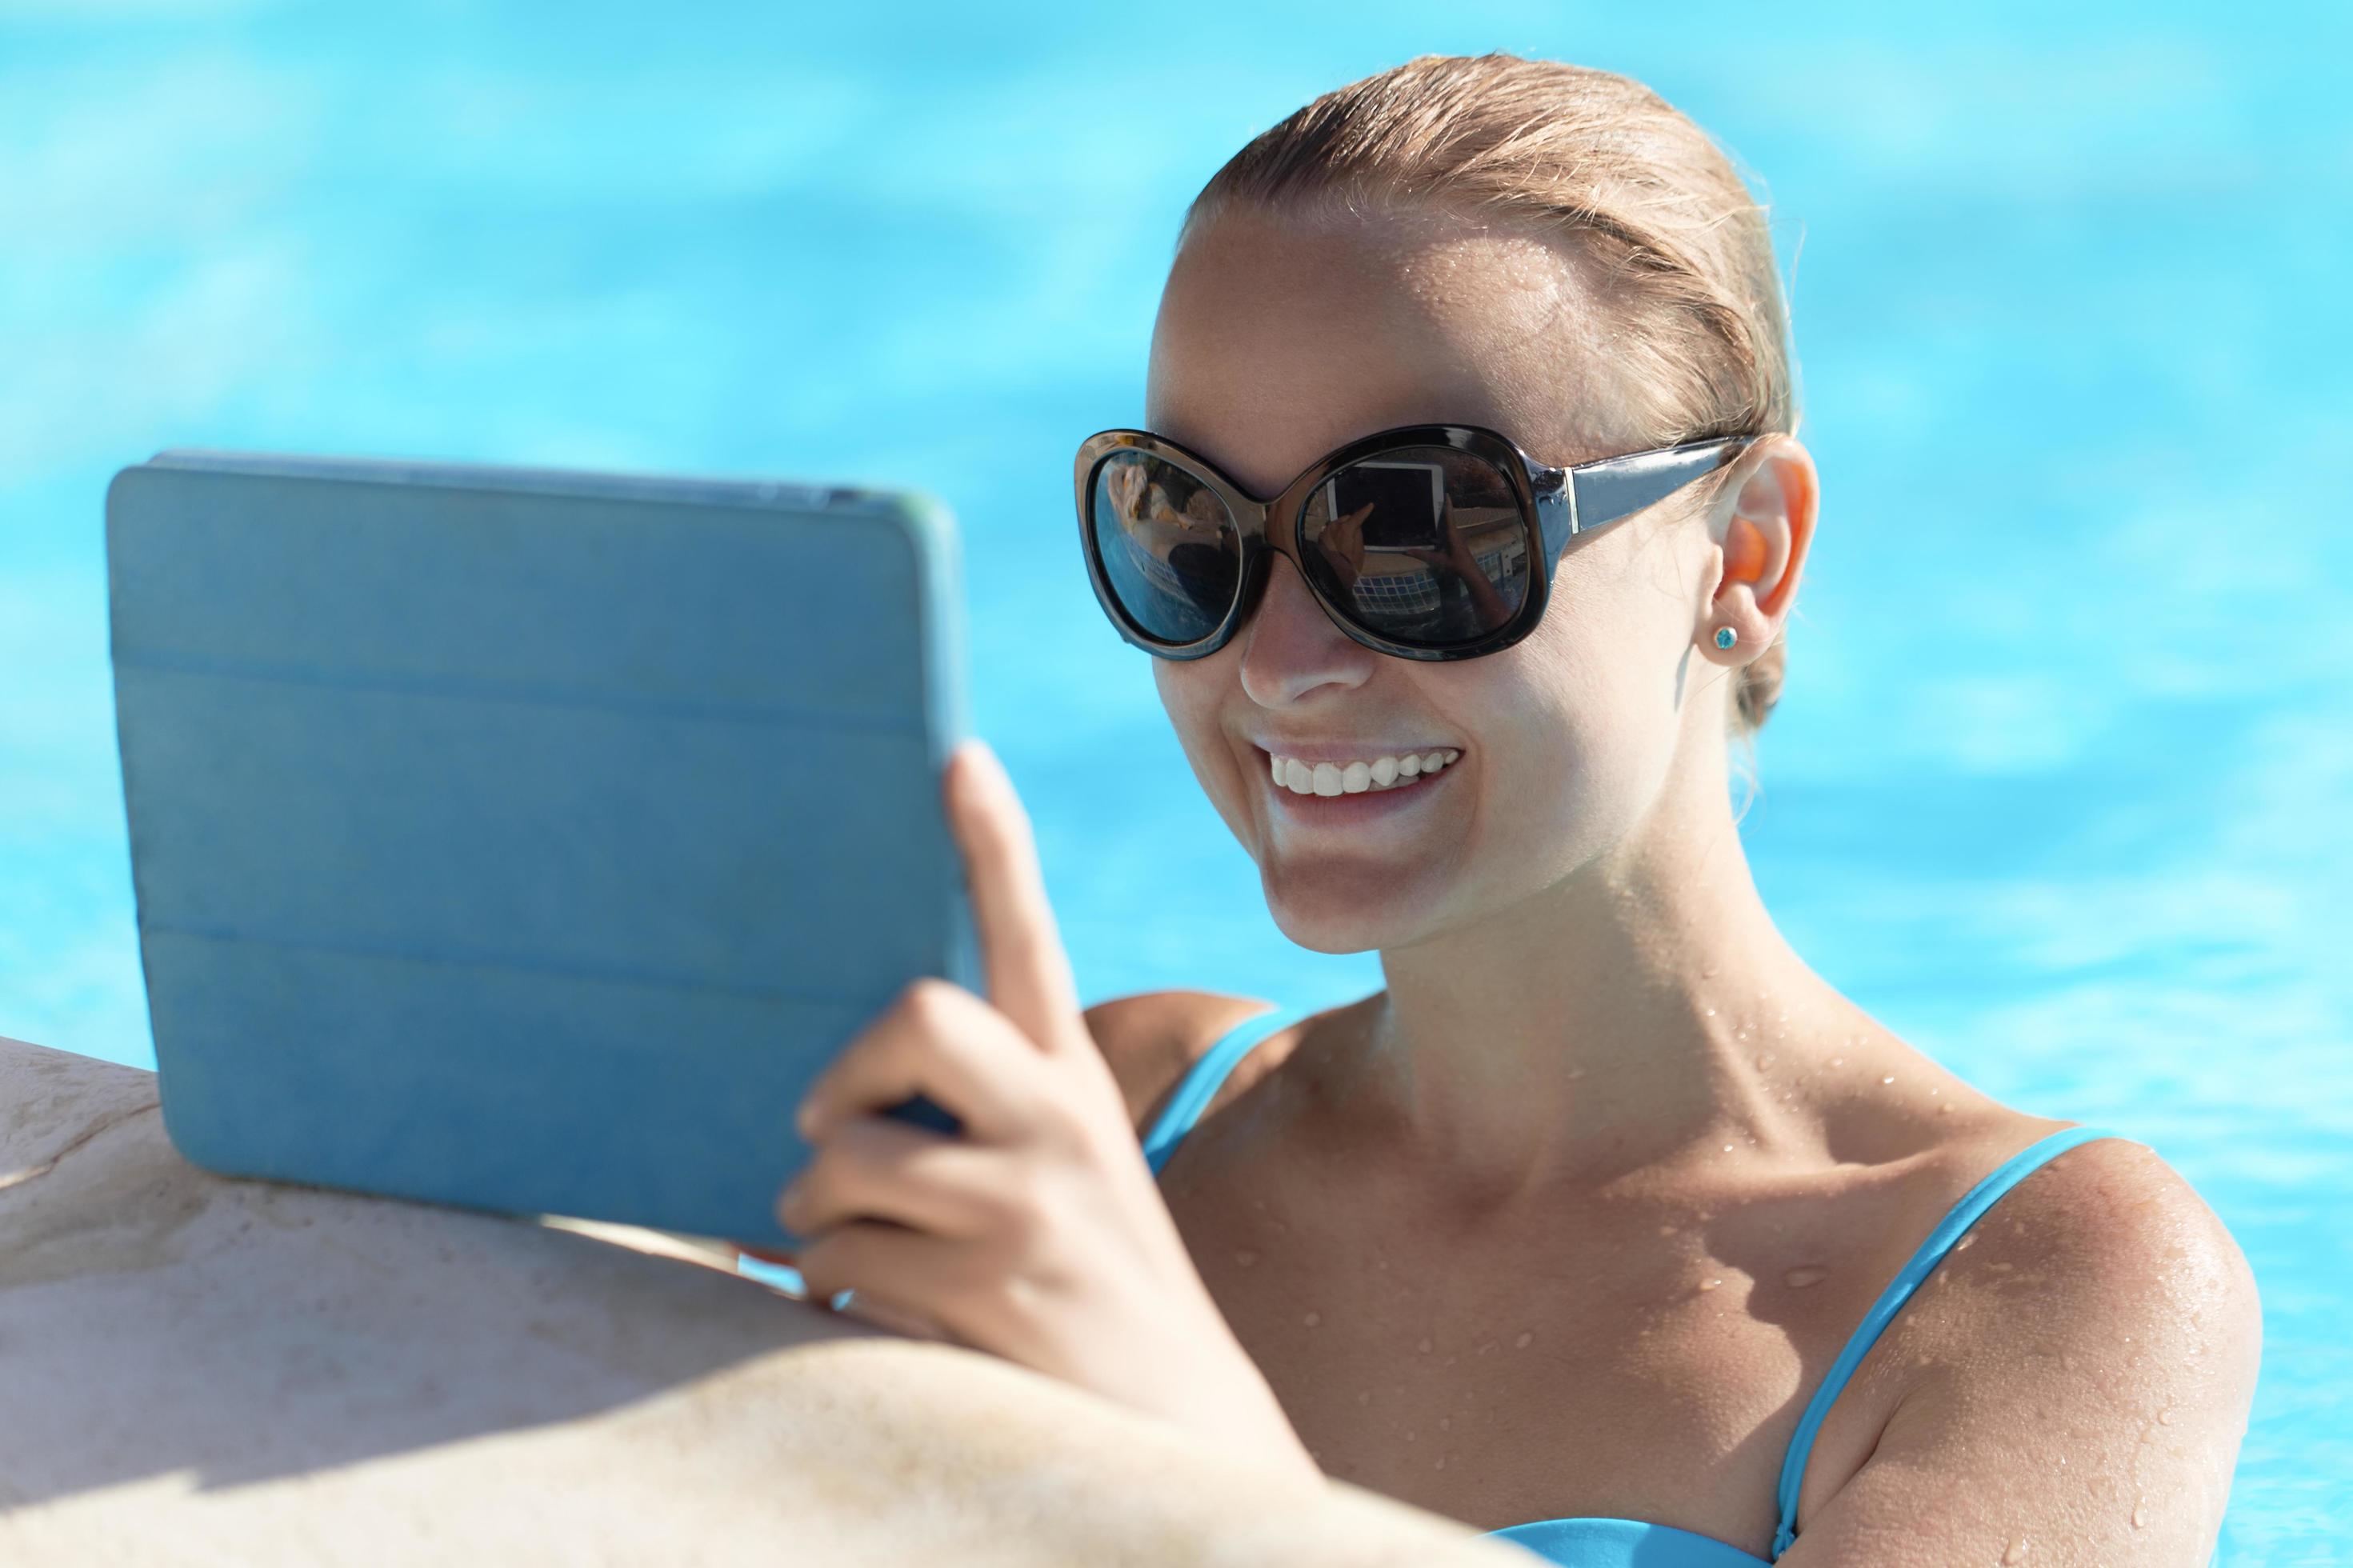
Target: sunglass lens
(1427,545)
(1169,547)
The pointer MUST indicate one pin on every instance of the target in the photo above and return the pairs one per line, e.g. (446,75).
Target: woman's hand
(1038,1235)
(1455,558)
(1343,544)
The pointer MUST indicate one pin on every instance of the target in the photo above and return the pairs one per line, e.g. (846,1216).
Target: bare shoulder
(2116,1235)
(1149,1040)
(2088,1356)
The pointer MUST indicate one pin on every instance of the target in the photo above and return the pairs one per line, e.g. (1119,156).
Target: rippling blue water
(2060,785)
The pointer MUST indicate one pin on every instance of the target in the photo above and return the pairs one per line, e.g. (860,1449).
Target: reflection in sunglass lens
(1169,547)
(1426,544)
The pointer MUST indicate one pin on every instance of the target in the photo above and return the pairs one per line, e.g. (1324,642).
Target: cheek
(1190,692)
(1186,695)
(1579,750)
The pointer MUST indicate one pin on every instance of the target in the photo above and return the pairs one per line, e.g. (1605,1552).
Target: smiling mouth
(1375,776)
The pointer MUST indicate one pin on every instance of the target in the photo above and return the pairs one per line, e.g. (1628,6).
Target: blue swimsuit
(1628,1543)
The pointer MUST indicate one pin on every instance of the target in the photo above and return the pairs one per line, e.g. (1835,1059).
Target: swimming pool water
(2060,784)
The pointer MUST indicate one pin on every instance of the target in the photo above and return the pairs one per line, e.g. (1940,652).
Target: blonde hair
(1573,150)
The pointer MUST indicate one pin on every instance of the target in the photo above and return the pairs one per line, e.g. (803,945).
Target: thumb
(1027,972)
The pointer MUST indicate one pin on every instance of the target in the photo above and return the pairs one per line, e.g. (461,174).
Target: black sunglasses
(1424,542)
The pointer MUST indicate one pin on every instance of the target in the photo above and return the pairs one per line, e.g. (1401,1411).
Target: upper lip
(1314,752)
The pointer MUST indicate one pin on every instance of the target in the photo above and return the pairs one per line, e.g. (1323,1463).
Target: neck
(1626,1016)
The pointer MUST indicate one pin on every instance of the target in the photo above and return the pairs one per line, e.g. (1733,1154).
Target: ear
(1761,527)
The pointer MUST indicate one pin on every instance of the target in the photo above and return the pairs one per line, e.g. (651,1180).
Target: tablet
(522,839)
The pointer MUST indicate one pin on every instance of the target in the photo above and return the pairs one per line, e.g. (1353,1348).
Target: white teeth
(1356,778)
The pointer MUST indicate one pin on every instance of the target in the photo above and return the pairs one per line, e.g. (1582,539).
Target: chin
(1333,919)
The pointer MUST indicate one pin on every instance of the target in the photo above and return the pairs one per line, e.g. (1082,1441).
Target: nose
(1289,646)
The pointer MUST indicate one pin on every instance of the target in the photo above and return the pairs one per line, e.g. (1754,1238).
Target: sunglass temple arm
(1571,501)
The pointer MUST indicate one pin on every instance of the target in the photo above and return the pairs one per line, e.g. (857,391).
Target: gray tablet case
(522,839)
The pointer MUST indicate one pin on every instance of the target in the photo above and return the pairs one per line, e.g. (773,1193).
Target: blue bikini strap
(1201,1081)
(1963,1214)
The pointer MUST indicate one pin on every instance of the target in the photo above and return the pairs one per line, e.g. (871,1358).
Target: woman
(1607,1223)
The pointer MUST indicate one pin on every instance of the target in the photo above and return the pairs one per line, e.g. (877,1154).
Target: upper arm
(1150,1038)
(2077,1381)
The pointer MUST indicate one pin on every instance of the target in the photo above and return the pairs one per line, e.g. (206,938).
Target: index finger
(1029,974)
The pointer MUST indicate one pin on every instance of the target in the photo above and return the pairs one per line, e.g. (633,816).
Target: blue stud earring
(1725,636)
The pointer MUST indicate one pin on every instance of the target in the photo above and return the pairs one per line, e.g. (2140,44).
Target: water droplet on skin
(1764,1060)
(1485,1348)
(1708,1012)
(2140,1513)
(1522,1341)
(1966,1242)
(1945,1109)
(2017,1552)
(1889,1078)
(1246,1258)
(1707,972)
(1837,1061)
(1727,1148)
(2001,1267)
(2165,1417)
(1805,1275)
(1576,1073)
(1313,1319)
(1423,1347)
(1709,1284)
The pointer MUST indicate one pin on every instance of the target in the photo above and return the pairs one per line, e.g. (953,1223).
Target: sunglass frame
(1555,504)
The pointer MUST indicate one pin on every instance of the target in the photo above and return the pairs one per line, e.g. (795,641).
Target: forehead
(1279,338)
